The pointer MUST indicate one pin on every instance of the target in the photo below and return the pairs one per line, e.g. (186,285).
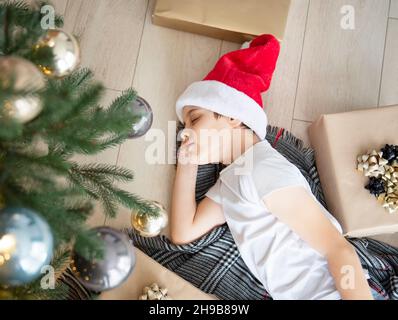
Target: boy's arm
(189,221)
(295,207)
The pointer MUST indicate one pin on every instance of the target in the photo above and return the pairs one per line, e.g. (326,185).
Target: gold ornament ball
(22,75)
(149,226)
(66,52)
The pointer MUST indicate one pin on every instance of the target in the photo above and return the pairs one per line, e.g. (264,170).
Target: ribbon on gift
(383,173)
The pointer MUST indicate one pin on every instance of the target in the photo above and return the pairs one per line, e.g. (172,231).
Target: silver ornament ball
(143,117)
(26,245)
(113,269)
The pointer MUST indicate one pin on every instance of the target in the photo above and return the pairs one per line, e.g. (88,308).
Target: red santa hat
(233,88)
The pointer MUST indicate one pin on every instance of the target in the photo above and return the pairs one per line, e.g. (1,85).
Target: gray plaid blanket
(213,263)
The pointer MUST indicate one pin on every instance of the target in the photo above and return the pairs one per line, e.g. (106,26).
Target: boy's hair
(217,115)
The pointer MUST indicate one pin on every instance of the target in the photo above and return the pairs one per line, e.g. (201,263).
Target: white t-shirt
(287,266)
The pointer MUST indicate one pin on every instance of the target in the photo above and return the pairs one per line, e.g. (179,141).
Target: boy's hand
(187,153)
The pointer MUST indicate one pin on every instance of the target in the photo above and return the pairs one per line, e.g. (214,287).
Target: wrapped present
(350,165)
(231,20)
(152,281)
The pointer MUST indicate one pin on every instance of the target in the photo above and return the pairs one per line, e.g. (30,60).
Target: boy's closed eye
(194,119)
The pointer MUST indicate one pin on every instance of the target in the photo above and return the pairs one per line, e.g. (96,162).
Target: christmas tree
(50,112)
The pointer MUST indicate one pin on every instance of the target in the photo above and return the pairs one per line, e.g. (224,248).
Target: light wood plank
(389,85)
(109,33)
(60,6)
(394,9)
(169,60)
(227,46)
(279,100)
(299,129)
(391,239)
(108,156)
(341,69)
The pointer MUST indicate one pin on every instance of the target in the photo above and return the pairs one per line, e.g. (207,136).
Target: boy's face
(211,135)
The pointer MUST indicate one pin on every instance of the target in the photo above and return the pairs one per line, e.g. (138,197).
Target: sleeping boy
(287,239)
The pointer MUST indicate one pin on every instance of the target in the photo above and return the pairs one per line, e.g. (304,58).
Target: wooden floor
(322,69)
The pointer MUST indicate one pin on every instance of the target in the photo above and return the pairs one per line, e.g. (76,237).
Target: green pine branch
(72,122)
(21,27)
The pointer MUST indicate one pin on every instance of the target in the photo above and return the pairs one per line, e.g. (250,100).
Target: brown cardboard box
(232,20)
(338,139)
(147,271)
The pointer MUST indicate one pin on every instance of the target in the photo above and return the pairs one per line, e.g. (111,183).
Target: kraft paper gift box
(338,140)
(147,271)
(231,20)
